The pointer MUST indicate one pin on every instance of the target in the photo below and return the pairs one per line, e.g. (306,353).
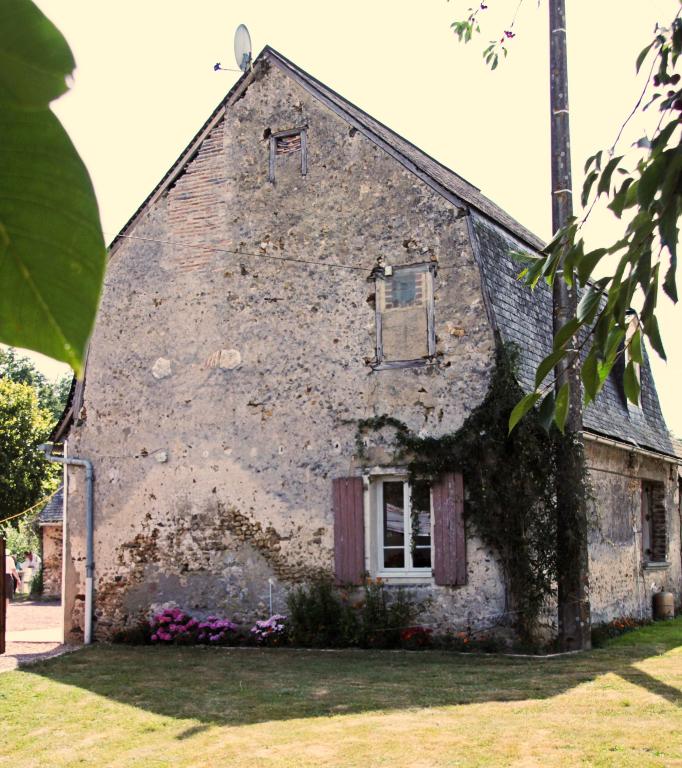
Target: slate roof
(519,316)
(52,512)
(525,319)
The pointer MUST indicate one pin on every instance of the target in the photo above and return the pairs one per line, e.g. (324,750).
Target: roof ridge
(319,83)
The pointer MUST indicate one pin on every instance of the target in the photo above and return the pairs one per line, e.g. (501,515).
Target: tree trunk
(573,584)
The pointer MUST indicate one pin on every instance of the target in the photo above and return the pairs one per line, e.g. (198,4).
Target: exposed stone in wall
(52,539)
(161,368)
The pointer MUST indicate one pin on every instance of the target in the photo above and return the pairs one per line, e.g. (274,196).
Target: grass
(153,707)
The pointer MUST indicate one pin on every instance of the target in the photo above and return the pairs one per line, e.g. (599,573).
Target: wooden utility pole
(573,583)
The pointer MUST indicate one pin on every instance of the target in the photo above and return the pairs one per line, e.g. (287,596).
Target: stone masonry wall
(223,390)
(621,583)
(52,560)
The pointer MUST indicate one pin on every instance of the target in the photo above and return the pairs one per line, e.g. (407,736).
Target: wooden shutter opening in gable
(659,533)
(286,145)
(405,315)
(349,534)
(449,565)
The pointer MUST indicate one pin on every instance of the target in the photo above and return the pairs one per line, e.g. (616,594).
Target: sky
(145,83)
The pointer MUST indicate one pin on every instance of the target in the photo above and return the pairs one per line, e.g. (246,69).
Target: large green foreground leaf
(52,252)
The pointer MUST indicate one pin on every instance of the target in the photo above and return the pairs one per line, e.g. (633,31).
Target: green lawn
(120,706)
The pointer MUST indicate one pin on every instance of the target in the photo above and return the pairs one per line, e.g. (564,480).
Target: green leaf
(589,261)
(613,345)
(654,335)
(643,54)
(664,135)
(649,182)
(589,303)
(589,373)
(670,282)
(635,347)
(34,57)
(566,332)
(52,255)
(522,257)
(587,187)
(547,365)
(650,296)
(631,383)
(561,407)
(591,159)
(619,199)
(546,411)
(605,180)
(521,408)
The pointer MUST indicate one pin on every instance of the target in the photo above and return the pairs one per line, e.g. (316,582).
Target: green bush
(317,617)
(37,584)
(383,617)
(603,632)
(322,616)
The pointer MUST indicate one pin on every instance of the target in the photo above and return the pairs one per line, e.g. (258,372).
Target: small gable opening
(288,146)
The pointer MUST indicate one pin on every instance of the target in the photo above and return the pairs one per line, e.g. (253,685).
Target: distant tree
(51,396)
(25,476)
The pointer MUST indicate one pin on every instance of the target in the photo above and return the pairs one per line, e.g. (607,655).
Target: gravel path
(34,632)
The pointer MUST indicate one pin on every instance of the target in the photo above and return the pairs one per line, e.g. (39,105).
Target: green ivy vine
(510,485)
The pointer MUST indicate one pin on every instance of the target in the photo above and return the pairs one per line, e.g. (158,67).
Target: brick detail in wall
(195,203)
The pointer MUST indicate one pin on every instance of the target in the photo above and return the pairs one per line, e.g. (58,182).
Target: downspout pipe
(47,449)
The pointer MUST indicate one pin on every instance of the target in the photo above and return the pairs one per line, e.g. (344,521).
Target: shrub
(603,632)
(322,616)
(416,638)
(469,642)
(316,615)
(139,634)
(173,626)
(36,588)
(271,632)
(215,631)
(382,619)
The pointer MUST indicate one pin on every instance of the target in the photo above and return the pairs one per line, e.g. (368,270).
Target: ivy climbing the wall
(510,486)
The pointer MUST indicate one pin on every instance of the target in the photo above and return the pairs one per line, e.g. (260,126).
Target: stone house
(50,523)
(299,269)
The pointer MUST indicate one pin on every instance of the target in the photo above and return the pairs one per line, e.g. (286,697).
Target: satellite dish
(242,47)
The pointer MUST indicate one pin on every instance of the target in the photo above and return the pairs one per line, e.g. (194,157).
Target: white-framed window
(400,540)
(405,328)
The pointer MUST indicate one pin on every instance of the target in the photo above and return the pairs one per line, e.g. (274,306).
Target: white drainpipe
(89,530)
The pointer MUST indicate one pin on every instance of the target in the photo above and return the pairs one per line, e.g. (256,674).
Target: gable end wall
(224,390)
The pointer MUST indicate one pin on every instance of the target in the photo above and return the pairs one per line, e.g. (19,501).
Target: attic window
(284,147)
(405,334)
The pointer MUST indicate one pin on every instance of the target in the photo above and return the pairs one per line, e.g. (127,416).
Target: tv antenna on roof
(242,50)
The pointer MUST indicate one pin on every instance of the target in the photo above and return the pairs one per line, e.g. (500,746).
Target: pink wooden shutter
(449,566)
(349,538)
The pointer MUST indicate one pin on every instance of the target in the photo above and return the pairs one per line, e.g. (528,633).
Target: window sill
(656,566)
(408,577)
(390,365)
